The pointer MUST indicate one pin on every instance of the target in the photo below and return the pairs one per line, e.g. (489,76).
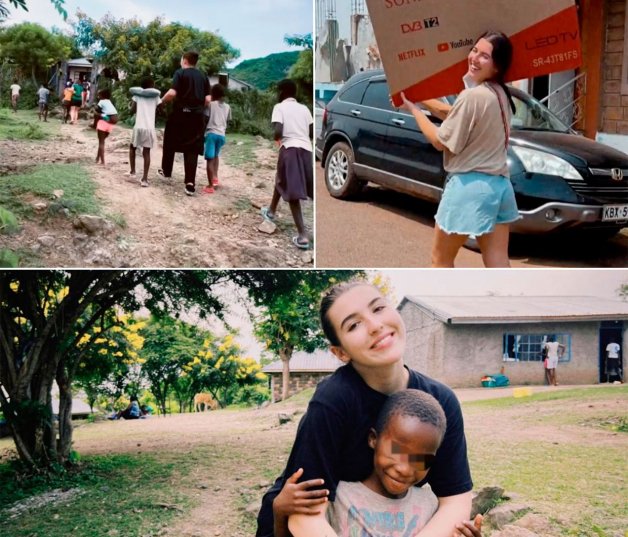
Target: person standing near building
(185,128)
(43,93)
(555,351)
(15,95)
(613,364)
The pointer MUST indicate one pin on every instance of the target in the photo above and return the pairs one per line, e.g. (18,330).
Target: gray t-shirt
(475,133)
(357,510)
(43,94)
(219,115)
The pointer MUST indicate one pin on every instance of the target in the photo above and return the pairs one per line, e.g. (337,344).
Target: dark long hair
(502,58)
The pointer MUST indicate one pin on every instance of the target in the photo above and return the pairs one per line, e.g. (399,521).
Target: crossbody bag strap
(501,109)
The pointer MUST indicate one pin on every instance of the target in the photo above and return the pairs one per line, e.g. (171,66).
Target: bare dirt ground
(238,453)
(157,226)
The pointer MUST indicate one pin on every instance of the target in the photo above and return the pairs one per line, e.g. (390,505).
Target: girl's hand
(295,498)
(406,105)
(468,528)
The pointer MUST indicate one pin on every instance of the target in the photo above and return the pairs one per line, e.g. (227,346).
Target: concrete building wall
(425,342)
(460,355)
(364,53)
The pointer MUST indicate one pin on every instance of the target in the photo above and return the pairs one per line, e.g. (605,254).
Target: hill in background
(261,72)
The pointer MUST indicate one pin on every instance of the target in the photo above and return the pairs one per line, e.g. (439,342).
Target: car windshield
(532,115)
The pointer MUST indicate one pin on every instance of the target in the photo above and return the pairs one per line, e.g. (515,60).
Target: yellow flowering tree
(220,368)
(45,314)
(109,363)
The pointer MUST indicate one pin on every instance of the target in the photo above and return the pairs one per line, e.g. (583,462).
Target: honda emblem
(617,174)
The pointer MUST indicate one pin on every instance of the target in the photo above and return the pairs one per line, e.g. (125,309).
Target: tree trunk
(33,77)
(64,446)
(285,354)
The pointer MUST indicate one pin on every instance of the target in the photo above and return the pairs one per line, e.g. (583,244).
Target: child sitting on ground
(104,121)
(219,115)
(406,437)
(146,99)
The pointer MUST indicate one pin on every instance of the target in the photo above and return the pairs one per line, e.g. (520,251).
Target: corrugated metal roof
(322,361)
(80,62)
(517,309)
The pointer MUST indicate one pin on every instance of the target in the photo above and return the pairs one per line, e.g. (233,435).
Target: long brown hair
(502,58)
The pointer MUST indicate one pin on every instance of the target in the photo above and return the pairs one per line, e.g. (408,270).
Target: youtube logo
(443,47)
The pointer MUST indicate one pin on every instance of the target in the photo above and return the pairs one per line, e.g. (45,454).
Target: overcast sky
(255,27)
(530,282)
(471,282)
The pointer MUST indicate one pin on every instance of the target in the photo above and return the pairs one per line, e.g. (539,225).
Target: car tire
(340,177)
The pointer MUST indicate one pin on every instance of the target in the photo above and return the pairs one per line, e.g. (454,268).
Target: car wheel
(339,172)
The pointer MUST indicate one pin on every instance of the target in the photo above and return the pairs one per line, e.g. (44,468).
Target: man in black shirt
(185,128)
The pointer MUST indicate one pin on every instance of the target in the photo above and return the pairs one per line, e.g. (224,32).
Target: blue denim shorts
(213,145)
(474,202)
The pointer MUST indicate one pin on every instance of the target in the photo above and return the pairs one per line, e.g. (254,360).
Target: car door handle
(356,112)
(399,122)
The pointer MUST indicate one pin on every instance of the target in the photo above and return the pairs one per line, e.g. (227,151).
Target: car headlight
(540,162)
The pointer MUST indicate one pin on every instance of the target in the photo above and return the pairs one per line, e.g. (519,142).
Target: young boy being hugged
(146,99)
(219,116)
(408,432)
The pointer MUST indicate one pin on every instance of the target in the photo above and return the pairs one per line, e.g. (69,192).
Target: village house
(458,340)
(306,370)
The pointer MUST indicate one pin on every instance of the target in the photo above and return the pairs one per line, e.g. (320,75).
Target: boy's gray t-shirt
(43,94)
(219,115)
(357,510)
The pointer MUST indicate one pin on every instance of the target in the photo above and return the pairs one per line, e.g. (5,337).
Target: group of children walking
(198,125)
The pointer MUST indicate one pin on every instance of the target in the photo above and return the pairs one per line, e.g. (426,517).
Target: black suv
(561,180)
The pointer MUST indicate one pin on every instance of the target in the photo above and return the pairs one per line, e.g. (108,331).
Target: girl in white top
(478,199)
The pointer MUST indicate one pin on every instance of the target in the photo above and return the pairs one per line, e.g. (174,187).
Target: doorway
(610,331)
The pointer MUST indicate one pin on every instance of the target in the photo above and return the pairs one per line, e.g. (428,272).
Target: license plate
(615,212)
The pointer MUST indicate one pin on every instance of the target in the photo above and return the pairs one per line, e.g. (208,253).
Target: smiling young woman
(478,199)
(367,333)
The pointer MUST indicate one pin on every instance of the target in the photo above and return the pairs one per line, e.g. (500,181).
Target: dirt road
(237,453)
(158,226)
(386,229)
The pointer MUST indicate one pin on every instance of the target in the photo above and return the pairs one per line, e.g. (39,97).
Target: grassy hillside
(261,72)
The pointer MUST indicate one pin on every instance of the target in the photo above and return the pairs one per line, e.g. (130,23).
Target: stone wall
(614,109)
(298,382)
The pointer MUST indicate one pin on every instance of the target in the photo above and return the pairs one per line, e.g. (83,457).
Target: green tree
(156,49)
(302,72)
(4,8)
(287,317)
(220,368)
(168,345)
(45,314)
(33,48)
(106,367)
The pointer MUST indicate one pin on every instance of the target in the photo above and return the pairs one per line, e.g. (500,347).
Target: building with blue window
(459,339)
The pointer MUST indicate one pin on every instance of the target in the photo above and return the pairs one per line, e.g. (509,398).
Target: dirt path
(161,226)
(236,454)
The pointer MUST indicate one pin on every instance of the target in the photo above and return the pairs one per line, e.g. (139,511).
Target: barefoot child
(104,121)
(219,116)
(145,102)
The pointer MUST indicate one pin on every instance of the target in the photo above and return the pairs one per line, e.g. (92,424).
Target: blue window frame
(529,347)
